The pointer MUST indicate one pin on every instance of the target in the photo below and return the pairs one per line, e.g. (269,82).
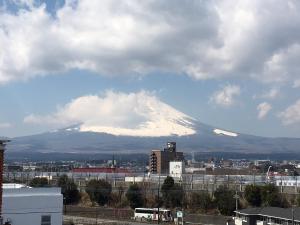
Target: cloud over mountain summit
(133,114)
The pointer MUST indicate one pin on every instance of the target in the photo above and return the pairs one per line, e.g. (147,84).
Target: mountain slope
(136,122)
(205,138)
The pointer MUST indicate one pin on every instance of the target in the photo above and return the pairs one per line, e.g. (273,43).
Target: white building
(176,169)
(287,181)
(32,206)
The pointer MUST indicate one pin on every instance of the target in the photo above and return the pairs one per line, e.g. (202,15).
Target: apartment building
(160,159)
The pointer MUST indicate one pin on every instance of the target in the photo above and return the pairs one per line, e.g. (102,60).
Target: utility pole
(96,216)
(158,198)
(293,215)
(267,175)
(236,196)
(236,200)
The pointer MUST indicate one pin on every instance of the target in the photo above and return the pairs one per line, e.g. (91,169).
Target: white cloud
(134,114)
(5,125)
(282,65)
(296,83)
(263,109)
(273,93)
(203,39)
(291,115)
(226,96)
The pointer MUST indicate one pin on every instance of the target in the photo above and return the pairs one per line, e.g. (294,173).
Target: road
(93,221)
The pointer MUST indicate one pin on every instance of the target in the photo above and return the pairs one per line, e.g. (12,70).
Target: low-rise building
(29,206)
(268,216)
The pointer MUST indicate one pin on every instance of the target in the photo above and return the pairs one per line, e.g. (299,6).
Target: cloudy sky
(231,64)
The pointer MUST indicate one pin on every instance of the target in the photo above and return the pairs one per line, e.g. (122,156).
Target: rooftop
(26,191)
(275,212)
(14,185)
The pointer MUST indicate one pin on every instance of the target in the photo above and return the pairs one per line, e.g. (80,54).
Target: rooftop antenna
(113,161)
(193,157)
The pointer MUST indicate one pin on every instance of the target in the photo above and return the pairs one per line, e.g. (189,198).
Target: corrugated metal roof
(276,212)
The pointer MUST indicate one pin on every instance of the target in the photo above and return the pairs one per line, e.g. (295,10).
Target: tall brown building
(159,160)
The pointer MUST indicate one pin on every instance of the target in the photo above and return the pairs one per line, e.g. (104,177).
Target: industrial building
(268,215)
(28,206)
(22,205)
(160,159)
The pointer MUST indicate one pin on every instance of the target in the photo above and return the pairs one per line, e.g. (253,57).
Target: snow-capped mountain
(224,132)
(136,123)
(204,139)
(139,114)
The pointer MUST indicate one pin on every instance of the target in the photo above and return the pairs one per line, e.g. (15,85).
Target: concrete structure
(32,206)
(287,181)
(262,162)
(88,170)
(159,160)
(177,168)
(268,216)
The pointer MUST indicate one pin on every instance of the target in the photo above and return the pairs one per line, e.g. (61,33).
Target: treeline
(171,195)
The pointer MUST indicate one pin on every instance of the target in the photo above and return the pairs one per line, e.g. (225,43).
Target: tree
(270,196)
(99,191)
(224,199)
(200,200)
(68,189)
(253,195)
(134,196)
(298,200)
(172,194)
(39,182)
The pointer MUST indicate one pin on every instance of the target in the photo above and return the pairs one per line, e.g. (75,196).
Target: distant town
(166,179)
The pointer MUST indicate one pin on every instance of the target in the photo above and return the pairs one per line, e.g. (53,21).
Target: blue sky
(234,67)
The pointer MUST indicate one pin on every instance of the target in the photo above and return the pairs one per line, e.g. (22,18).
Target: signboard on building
(176,168)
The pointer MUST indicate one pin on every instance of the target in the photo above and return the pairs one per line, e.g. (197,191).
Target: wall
(176,168)
(25,206)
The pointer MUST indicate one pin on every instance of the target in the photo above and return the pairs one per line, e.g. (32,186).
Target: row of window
(276,220)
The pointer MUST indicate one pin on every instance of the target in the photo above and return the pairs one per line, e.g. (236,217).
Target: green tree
(134,196)
(39,182)
(172,194)
(99,191)
(200,200)
(271,196)
(224,199)
(253,195)
(68,189)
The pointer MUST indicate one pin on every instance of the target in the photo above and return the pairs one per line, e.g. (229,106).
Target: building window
(46,220)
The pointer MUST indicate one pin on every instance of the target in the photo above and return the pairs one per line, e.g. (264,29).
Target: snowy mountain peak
(139,114)
(136,114)
(225,133)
